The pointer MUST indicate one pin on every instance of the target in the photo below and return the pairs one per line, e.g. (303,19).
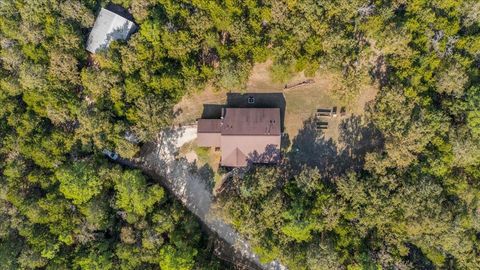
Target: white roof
(108,26)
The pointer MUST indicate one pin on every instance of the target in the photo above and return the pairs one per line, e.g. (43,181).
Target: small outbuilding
(109,26)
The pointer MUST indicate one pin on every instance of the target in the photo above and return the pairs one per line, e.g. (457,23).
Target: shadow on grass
(356,139)
(212,111)
(206,173)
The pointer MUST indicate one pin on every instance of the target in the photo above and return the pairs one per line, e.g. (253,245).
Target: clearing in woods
(301,101)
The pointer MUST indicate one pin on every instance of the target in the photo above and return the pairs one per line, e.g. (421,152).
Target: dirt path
(181,178)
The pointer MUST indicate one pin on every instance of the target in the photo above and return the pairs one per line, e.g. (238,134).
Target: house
(109,26)
(243,135)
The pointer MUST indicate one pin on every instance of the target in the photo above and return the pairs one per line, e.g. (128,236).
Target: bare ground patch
(190,107)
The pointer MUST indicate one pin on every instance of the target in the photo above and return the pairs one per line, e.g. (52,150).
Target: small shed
(109,26)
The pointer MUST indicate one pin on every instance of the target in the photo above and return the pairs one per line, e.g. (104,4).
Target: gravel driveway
(189,187)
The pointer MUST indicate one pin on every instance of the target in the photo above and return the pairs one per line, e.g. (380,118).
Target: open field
(301,102)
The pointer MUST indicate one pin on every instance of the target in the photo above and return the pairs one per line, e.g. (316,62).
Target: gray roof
(108,27)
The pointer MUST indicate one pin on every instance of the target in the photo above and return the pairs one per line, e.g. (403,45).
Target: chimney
(223,113)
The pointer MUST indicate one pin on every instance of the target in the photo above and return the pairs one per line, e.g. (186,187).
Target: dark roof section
(251,121)
(262,100)
(209,125)
(118,9)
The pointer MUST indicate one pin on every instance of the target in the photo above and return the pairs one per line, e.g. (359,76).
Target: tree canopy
(410,202)
(413,201)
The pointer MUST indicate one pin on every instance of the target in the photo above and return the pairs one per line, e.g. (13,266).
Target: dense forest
(411,202)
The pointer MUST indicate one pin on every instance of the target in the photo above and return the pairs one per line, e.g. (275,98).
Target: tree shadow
(309,148)
(380,71)
(164,142)
(285,141)
(177,112)
(333,159)
(206,173)
(359,138)
(212,111)
(271,155)
(121,33)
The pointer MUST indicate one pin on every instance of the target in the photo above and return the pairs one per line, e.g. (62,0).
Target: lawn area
(202,156)
(301,102)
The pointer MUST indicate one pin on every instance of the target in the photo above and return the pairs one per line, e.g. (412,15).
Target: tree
(452,80)
(150,115)
(79,182)
(134,196)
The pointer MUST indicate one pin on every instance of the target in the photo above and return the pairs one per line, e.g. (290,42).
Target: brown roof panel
(208,139)
(209,125)
(251,121)
(235,159)
(256,148)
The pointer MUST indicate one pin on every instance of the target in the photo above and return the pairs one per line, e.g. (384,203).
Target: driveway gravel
(189,187)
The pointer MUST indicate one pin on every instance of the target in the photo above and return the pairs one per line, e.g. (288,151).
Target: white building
(108,27)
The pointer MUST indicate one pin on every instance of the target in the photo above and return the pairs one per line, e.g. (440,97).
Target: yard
(301,104)
(203,158)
